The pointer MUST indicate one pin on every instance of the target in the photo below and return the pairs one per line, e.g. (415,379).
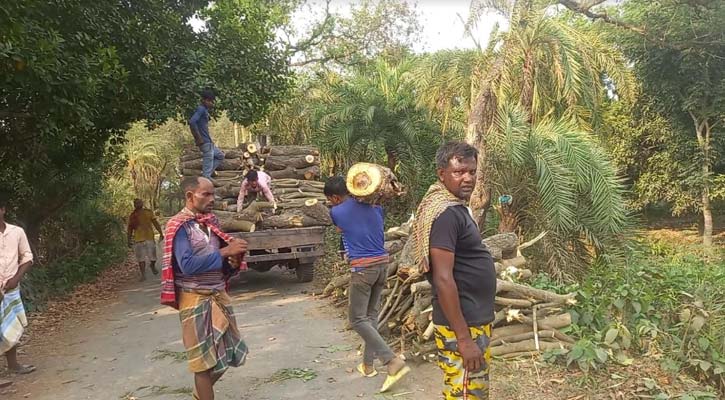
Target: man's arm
(242,196)
(193,121)
(25,258)
(158,227)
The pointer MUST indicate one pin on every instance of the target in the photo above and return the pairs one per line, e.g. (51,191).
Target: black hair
(3,201)
(189,183)
(207,94)
(336,185)
(252,176)
(450,150)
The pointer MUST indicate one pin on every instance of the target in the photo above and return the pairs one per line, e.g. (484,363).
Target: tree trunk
(480,120)
(293,151)
(704,131)
(372,183)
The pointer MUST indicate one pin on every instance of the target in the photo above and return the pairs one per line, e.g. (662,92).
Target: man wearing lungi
(447,249)
(198,261)
(15,260)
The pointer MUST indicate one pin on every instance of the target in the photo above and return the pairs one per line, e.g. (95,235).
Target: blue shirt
(199,122)
(362,228)
(192,262)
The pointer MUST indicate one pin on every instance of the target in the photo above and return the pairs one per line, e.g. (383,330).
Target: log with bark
(292,150)
(308,173)
(277,163)
(293,218)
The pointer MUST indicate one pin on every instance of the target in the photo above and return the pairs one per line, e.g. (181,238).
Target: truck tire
(305,272)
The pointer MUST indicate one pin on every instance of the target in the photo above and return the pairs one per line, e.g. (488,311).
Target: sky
(442,26)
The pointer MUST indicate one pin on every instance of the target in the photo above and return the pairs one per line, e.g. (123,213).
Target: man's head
(456,164)
(199,194)
(137,204)
(336,190)
(208,98)
(253,179)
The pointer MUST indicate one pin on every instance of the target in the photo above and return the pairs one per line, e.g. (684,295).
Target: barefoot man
(15,260)
(447,248)
(361,225)
(198,261)
(141,224)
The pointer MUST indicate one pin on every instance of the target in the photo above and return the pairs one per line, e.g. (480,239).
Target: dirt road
(131,350)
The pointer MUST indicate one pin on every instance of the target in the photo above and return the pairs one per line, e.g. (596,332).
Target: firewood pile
(527,320)
(295,171)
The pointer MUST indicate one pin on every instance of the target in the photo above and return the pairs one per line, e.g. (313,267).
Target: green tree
(678,49)
(77,73)
(371,115)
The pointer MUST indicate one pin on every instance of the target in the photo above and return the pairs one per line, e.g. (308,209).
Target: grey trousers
(365,291)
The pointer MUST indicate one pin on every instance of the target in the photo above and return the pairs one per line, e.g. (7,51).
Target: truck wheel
(305,272)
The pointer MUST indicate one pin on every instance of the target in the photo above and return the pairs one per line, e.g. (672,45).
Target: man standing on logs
(141,224)
(255,182)
(15,260)
(198,261)
(211,156)
(361,225)
(447,248)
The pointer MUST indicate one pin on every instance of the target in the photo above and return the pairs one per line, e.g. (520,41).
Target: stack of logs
(300,198)
(527,320)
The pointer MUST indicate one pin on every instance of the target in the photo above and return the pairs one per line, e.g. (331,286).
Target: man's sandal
(361,370)
(393,379)
(23,370)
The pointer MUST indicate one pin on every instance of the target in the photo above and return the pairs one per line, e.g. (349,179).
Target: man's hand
(236,247)
(471,353)
(12,283)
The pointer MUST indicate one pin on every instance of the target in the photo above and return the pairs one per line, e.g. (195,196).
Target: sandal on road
(22,370)
(391,380)
(361,370)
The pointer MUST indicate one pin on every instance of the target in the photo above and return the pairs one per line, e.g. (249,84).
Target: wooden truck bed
(303,244)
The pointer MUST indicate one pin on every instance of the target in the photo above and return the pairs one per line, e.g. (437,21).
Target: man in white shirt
(15,260)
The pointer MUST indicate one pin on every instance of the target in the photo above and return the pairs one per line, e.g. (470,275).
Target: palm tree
(530,115)
(371,115)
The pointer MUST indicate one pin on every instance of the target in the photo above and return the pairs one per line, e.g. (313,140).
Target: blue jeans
(211,158)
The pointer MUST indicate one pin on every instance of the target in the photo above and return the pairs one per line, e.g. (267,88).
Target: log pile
(294,171)
(527,320)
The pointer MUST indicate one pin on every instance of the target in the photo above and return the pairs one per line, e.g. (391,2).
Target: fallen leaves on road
(305,374)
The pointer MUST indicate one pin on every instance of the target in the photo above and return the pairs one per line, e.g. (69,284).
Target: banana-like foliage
(371,115)
(561,181)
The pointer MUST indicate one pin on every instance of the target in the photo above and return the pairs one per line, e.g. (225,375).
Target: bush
(662,302)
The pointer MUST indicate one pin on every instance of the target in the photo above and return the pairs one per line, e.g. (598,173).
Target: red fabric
(168,288)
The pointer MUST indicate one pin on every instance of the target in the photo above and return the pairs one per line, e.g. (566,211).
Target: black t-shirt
(473,270)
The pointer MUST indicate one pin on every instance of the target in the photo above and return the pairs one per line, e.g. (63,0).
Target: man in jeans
(211,156)
(361,226)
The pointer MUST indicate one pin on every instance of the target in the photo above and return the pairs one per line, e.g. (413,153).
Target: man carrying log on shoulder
(255,182)
(447,249)
(198,261)
(211,156)
(361,225)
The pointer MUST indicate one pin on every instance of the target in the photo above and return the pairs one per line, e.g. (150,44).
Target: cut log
(226,165)
(251,148)
(335,283)
(293,218)
(293,173)
(552,322)
(393,246)
(277,163)
(372,183)
(394,234)
(190,155)
(543,334)
(293,151)
(504,244)
(233,225)
(502,301)
(524,346)
(528,292)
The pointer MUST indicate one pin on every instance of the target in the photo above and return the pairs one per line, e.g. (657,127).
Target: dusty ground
(124,345)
